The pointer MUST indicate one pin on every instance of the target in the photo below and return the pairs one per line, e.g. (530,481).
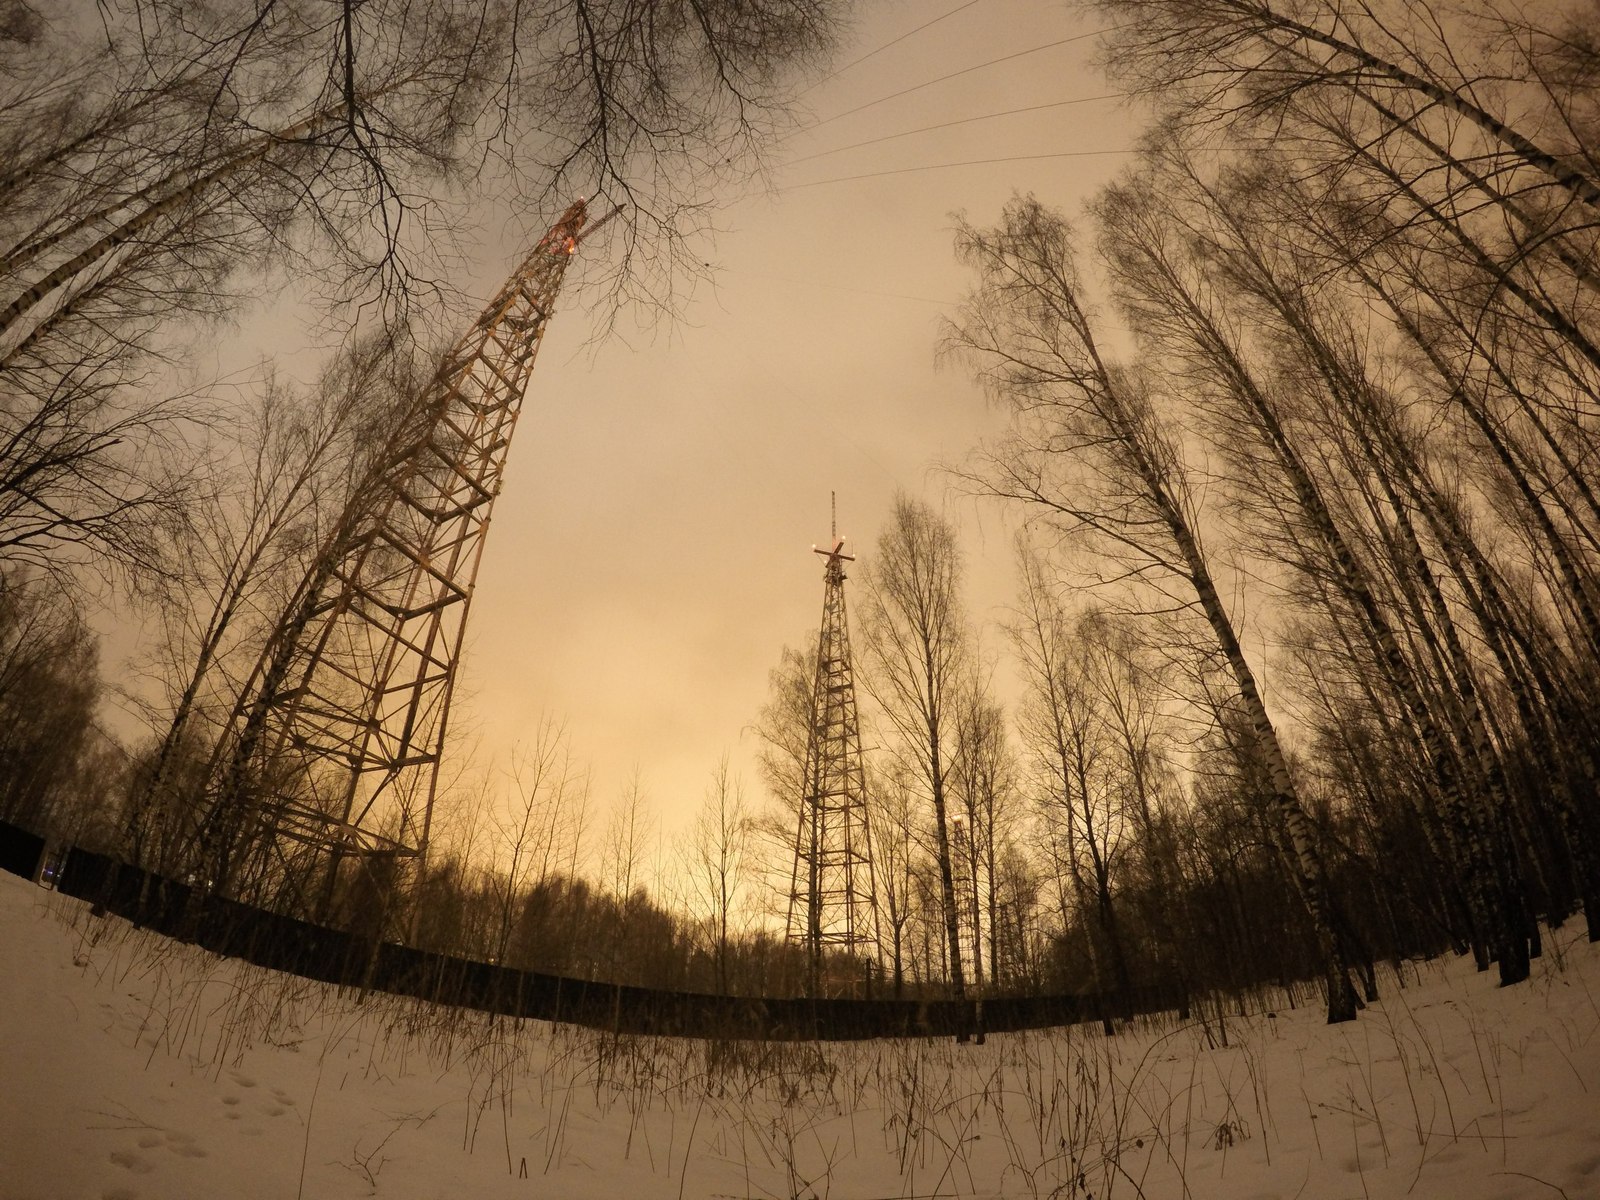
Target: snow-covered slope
(135,1069)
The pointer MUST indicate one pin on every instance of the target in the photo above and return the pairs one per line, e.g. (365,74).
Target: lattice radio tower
(832,897)
(334,754)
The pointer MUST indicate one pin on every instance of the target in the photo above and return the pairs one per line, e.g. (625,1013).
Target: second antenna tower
(833,897)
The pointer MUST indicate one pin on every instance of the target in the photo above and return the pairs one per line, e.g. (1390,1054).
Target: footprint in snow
(243,1080)
(136,1163)
(182,1144)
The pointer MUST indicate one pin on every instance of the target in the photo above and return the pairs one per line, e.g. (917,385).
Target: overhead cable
(955,74)
(974,162)
(1010,112)
(856,62)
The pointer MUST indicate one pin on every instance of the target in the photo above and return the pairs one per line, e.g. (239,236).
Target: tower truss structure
(334,752)
(833,897)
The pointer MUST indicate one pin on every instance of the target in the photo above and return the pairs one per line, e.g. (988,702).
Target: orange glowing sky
(651,551)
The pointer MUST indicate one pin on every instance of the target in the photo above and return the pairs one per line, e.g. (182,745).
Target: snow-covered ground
(134,1068)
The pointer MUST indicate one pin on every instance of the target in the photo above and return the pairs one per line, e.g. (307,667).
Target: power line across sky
(951,124)
(891,43)
(947,166)
(957,73)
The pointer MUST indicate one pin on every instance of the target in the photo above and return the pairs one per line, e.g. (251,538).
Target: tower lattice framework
(833,898)
(334,753)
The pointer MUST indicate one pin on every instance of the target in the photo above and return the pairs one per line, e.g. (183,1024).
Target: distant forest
(1304,430)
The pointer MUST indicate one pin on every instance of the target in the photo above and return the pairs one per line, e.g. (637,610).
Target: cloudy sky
(651,551)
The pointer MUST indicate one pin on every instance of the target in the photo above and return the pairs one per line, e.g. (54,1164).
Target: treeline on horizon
(1303,433)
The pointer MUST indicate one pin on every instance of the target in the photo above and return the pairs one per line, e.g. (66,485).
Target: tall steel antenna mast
(832,895)
(335,750)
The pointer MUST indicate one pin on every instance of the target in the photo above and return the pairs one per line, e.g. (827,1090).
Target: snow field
(135,1068)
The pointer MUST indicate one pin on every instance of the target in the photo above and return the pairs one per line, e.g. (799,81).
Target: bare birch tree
(1077,788)
(713,863)
(985,789)
(538,829)
(919,658)
(896,852)
(49,685)
(1089,453)
(625,850)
